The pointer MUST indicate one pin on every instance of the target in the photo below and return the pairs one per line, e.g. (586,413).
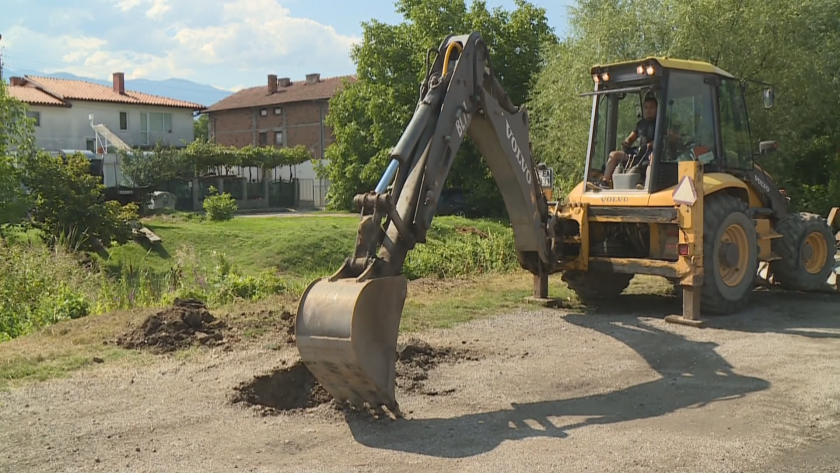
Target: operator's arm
(632,138)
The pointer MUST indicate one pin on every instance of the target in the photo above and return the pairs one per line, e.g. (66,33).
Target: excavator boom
(347,323)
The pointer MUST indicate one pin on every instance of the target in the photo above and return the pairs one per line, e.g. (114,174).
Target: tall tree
(16,137)
(792,45)
(369,116)
(201,127)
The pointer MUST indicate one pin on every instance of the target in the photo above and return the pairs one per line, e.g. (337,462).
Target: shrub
(220,207)
(470,254)
(40,287)
(229,284)
(68,201)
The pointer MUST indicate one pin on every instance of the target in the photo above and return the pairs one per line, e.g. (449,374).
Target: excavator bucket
(346,334)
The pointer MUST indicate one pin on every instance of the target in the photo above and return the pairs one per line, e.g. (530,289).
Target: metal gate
(306,192)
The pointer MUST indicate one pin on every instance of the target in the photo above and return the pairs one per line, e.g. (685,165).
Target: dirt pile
(290,388)
(416,358)
(186,323)
(295,388)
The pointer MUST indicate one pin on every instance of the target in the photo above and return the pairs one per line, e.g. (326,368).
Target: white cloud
(211,41)
(126,5)
(253,33)
(158,8)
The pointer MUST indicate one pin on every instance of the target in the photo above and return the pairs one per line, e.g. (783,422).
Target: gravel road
(540,390)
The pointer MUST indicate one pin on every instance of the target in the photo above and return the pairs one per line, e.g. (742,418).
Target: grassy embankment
(467,269)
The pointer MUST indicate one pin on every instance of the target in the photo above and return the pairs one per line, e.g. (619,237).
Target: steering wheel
(686,148)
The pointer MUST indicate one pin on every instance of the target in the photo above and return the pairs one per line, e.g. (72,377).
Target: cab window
(689,132)
(734,129)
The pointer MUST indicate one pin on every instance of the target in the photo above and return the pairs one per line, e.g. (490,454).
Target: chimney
(285,82)
(16,81)
(119,83)
(312,78)
(272,84)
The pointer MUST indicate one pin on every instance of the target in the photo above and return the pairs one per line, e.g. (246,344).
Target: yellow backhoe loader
(688,204)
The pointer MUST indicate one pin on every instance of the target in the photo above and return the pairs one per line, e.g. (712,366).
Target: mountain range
(180,89)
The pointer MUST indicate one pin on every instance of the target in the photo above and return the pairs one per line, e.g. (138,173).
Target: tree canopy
(792,45)
(201,157)
(369,116)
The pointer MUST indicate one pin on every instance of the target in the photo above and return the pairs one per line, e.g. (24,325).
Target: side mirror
(769,98)
(767,147)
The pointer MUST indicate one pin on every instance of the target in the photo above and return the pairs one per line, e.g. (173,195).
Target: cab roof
(670,63)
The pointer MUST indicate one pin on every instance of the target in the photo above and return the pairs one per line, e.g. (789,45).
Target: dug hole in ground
(614,389)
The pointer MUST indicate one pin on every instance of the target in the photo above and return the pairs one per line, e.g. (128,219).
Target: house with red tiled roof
(63,110)
(281,113)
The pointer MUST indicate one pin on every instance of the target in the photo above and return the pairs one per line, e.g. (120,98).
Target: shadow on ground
(692,374)
(814,315)
(156,248)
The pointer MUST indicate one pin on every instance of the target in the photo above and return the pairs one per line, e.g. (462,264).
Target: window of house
(263,139)
(123,121)
(278,111)
(90,145)
(36,116)
(154,123)
(278,137)
(263,112)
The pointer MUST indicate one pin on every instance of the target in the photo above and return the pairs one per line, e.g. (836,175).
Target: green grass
(296,246)
(227,264)
(291,245)
(69,346)
(444,304)
(66,347)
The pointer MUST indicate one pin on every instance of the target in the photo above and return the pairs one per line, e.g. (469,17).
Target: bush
(470,254)
(40,287)
(220,207)
(68,201)
(229,284)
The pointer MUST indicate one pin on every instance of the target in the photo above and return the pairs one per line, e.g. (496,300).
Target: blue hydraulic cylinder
(388,176)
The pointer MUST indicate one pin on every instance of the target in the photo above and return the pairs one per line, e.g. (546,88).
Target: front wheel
(806,250)
(730,255)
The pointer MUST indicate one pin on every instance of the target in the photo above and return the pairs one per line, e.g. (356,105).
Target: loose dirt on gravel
(290,388)
(294,388)
(280,324)
(186,323)
(416,358)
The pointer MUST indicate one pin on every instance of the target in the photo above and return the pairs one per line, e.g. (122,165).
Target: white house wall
(69,128)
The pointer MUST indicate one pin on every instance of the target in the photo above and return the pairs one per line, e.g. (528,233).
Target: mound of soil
(186,323)
(295,388)
(290,388)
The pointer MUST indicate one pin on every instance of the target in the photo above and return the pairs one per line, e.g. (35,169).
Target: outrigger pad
(346,334)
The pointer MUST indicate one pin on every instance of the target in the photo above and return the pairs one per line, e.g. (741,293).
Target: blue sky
(226,43)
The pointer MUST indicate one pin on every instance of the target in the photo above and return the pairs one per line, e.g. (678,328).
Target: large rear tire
(730,255)
(593,286)
(807,250)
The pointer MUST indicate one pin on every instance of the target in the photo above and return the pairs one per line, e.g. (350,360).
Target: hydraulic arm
(347,323)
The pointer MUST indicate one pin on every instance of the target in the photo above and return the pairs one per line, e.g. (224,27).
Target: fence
(249,195)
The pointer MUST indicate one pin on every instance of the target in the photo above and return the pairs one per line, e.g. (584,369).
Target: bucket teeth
(346,333)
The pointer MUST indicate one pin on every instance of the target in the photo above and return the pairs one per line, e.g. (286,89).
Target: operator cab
(688,97)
